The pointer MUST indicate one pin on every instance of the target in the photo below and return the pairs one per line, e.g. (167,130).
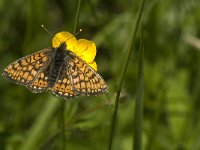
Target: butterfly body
(57,70)
(56,64)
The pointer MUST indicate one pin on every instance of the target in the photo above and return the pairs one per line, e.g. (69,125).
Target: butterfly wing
(40,84)
(25,70)
(78,78)
(86,81)
(63,87)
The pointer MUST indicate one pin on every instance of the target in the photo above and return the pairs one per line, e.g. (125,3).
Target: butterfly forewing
(25,70)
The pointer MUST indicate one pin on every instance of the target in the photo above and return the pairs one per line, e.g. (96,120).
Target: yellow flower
(83,48)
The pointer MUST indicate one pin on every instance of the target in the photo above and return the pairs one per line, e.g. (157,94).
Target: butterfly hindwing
(40,84)
(25,70)
(64,86)
(86,80)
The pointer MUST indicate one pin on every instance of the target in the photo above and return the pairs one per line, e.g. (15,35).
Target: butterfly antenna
(79,31)
(46,30)
(49,32)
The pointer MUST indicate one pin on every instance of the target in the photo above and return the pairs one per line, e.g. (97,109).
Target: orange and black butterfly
(57,70)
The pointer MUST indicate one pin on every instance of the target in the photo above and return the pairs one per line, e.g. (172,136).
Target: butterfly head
(63,45)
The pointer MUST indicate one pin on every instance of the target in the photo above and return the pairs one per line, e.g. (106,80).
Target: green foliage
(171,75)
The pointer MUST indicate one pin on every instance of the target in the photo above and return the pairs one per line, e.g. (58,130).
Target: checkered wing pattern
(37,71)
(64,86)
(86,81)
(78,78)
(40,84)
(29,70)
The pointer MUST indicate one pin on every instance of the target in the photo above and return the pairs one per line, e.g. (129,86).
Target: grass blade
(123,75)
(137,143)
(40,124)
(62,123)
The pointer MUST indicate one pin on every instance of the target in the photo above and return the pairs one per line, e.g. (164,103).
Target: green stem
(113,122)
(77,17)
(62,106)
(137,143)
(62,123)
(114,117)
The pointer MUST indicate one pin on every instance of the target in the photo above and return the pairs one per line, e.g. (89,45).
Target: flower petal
(86,50)
(67,37)
(93,65)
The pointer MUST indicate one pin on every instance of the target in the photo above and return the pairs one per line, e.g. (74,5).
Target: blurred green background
(171,75)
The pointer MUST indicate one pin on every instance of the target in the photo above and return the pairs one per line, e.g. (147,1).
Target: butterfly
(58,70)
